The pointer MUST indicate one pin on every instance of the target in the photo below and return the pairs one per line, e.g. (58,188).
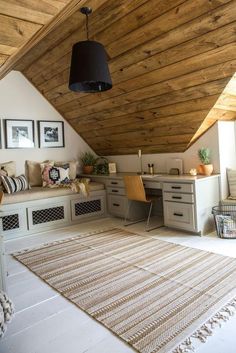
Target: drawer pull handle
(176,187)
(116,204)
(177,197)
(115,190)
(114,182)
(178,214)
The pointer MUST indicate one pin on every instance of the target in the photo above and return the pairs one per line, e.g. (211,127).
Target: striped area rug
(154,295)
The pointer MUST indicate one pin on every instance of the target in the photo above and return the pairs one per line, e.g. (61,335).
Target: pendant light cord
(87,29)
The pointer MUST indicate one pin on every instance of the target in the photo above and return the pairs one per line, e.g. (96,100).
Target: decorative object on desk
(193,171)
(174,163)
(19,133)
(151,168)
(89,70)
(101,166)
(89,160)
(174,171)
(51,134)
(140,161)
(204,155)
(112,168)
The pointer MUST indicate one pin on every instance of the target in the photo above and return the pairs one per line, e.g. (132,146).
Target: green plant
(204,155)
(88,158)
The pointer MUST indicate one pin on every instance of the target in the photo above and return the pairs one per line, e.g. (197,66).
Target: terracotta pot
(200,169)
(207,169)
(88,169)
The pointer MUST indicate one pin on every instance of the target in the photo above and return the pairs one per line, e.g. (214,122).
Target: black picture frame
(19,133)
(51,134)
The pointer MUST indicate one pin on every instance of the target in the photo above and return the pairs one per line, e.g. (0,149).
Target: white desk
(187,200)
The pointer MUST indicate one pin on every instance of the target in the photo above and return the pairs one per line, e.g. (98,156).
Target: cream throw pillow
(33,172)
(72,166)
(231,174)
(7,169)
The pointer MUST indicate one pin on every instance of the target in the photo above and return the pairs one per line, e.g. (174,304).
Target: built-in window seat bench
(40,209)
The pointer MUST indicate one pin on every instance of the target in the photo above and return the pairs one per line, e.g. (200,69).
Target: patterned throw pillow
(14,184)
(53,176)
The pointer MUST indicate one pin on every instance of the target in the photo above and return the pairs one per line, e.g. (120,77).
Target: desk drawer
(152,184)
(179,215)
(117,205)
(116,191)
(178,187)
(178,197)
(115,182)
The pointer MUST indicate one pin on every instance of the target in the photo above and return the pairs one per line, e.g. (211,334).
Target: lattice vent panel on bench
(48,215)
(10,222)
(87,207)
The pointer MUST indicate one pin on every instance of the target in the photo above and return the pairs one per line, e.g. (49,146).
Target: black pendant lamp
(89,70)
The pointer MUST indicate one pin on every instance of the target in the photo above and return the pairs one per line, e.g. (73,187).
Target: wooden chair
(135,192)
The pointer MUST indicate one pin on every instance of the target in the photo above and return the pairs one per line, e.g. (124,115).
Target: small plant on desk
(204,155)
(88,159)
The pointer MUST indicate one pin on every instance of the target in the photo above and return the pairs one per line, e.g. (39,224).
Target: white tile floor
(45,322)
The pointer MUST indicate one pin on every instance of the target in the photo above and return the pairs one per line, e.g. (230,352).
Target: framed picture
(51,134)
(112,167)
(19,133)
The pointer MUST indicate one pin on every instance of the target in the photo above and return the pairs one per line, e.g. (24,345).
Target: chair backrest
(134,188)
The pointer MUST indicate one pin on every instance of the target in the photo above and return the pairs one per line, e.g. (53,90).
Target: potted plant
(88,159)
(206,167)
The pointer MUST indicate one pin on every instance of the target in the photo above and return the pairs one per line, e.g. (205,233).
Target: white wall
(227,147)
(20,100)
(130,163)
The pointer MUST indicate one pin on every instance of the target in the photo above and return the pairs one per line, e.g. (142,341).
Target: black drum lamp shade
(89,70)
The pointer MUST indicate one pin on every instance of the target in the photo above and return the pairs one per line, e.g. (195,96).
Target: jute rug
(154,295)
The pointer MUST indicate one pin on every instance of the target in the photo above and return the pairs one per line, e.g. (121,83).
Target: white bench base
(25,218)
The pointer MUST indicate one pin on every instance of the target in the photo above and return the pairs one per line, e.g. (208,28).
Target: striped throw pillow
(14,184)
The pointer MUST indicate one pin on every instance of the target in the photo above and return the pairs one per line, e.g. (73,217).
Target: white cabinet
(117,205)
(179,215)
(187,200)
(179,206)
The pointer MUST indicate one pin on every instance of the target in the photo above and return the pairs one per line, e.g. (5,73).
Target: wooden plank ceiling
(20,20)
(169,62)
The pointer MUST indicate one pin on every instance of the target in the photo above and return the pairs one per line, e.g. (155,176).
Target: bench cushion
(228,202)
(39,193)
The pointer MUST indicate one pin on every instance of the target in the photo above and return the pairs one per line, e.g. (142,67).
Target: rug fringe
(206,330)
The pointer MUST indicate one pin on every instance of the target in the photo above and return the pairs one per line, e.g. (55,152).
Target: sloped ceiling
(20,20)
(169,61)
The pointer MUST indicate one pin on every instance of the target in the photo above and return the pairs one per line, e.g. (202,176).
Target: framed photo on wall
(19,133)
(51,134)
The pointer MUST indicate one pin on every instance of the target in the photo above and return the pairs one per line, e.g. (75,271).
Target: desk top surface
(157,177)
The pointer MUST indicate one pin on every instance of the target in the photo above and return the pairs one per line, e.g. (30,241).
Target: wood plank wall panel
(169,61)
